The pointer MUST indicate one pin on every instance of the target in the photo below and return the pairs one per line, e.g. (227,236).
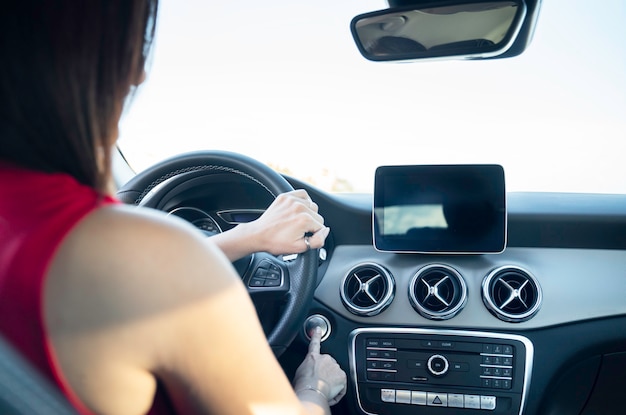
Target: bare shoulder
(120,249)
(142,229)
(129,235)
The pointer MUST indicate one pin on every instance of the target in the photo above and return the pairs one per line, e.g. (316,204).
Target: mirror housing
(461,29)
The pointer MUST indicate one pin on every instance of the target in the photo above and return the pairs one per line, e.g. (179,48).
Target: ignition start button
(438,365)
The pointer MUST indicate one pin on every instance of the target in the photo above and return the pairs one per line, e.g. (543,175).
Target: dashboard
(539,328)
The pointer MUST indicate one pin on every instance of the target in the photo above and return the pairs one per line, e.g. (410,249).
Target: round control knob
(314,321)
(438,365)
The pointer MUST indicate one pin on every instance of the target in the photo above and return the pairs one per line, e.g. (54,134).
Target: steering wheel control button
(266,275)
(256,282)
(438,365)
(314,321)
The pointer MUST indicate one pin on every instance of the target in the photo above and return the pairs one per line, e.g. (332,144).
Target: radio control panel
(444,371)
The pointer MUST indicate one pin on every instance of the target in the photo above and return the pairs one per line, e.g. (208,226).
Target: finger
(316,340)
(313,220)
(341,393)
(300,193)
(308,203)
(317,239)
(305,199)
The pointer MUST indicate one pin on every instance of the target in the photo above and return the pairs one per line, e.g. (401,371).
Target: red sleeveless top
(37,210)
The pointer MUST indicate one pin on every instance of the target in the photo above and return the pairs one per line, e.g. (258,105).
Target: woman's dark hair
(66,67)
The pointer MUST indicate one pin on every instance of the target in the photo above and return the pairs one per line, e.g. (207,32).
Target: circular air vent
(511,294)
(438,292)
(367,289)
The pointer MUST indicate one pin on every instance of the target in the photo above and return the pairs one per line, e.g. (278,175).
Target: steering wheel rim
(147,187)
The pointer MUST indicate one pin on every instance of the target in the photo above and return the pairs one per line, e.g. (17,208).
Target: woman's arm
(134,296)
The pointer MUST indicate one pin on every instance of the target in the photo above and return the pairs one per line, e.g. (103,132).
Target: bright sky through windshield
(285,84)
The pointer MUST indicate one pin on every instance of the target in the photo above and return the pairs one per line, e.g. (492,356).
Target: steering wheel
(286,285)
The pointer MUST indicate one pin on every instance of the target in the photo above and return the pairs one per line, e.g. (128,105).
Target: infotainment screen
(440,209)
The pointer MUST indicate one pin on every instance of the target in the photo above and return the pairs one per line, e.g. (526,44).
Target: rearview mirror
(459,30)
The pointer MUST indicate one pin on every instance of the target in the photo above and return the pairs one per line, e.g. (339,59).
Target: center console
(440,371)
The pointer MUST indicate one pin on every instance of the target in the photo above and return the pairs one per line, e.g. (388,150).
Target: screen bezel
(491,176)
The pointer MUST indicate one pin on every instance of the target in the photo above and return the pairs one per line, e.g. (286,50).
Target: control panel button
(455,400)
(416,364)
(313,322)
(381,364)
(387,343)
(373,354)
(380,354)
(403,396)
(472,401)
(460,367)
(418,398)
(388,376)
(372,343)
(488,403)
(436,399)
(388,395)
(372,375)
(438,365)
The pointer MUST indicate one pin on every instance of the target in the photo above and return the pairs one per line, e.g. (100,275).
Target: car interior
(439,291)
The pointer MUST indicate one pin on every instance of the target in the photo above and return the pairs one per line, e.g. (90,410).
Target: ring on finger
(307,243)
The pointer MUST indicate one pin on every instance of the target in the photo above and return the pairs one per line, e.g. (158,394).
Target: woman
(127,310)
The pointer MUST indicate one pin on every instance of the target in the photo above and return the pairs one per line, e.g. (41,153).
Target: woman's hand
(321,373)
(290,225)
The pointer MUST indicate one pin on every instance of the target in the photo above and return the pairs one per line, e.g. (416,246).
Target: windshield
(283,82)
